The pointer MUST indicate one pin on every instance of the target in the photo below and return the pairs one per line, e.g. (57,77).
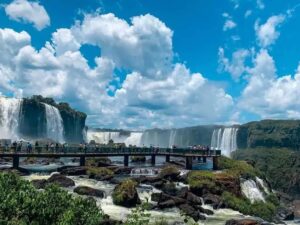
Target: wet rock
(213,200)
(243,222)
(169,188)
(122,170)
(191,212)
(162,198)
(73,171)
(39,184)
(19,171)
(203,210)
(29,160)
(166,204)
(83,190)
(296,205)
(170,173)
(193,199)
(182,193)
(229,184)
(125,194)
(284,213)
(138,159)
(61,180)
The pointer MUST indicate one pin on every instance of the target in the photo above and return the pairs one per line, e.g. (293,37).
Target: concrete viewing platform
(126,152)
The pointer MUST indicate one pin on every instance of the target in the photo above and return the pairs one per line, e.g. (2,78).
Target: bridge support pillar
(153,159)
(82,160)
(16,161)
(126,160)
(215,163)
(188,162)
(204,159)
(167,158)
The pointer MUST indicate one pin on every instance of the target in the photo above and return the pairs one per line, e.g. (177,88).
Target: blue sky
(139,64)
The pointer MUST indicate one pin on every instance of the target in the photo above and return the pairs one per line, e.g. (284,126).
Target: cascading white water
(251,191)
(172,137)
(9,117)
(224,139)
(55,127)
(103,137)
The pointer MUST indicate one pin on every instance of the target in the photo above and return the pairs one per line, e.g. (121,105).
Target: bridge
(126,152)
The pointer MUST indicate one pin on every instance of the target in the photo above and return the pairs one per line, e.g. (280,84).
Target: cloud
(229,23)
(260,4)
(268,95)
(155,92)
(266,33)
(248,13)
(236,66)
(144,45)
(28,12)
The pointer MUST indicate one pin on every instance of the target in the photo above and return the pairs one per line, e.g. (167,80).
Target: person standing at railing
(36,147)
(47,147)
(56,147)
(52,147)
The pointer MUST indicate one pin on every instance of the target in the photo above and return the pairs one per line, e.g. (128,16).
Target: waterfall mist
(9,117)
(103,137)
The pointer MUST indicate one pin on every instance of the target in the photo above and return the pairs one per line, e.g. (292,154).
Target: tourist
(47,147)
(52,147)
(56,147)
(14,146)
(36,147)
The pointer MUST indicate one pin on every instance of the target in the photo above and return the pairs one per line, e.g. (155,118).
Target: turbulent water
(55,127)
(225,140)
(9,117)
(251,190)
(103,137)
(172,215)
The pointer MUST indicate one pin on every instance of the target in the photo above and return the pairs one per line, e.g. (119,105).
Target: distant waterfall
(9,117)
(172,138)
(55,127)
(225,140)
(103,137)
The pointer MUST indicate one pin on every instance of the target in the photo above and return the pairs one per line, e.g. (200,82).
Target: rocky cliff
(269,134)
(33,119)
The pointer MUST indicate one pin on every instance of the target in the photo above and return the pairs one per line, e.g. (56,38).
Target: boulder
(243,222)
(162,198)
(122,170)
(170,173)
(203,210)
(213,200)
(73,171)
(169,188)
(125,194)
(61,180)
(193,199)
(191,212)
(138,159)
(166,204)
(39,184)
(84,190)
(284,213)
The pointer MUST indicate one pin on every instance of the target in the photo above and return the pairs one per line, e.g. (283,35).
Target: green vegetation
(97,161)
(125,194)
(265,210)
(22,204)
(202,179)
(238,168)
(269,134)
(99,171)
(280,166)
(171,172)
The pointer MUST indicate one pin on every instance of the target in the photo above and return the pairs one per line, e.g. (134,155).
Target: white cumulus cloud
(28,12)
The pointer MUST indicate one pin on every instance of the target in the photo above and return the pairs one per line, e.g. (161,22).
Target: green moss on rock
(125,194)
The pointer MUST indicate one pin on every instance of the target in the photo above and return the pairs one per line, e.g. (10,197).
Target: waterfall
(55,127)
(172,138)
(225,140)
(103,137)
(251,191)
(9,117)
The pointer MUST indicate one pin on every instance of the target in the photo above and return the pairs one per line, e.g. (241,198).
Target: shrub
(21,203)
(101,171)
